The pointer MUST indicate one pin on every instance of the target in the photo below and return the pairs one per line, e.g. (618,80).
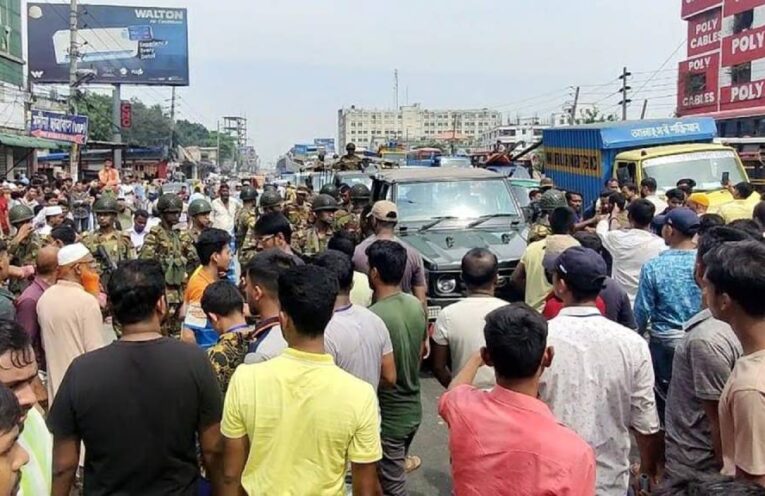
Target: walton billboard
(117,44)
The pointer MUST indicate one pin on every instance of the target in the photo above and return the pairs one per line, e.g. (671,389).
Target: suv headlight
(446,284)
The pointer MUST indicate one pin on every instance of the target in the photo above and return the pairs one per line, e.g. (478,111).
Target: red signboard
(733,7)
(743,95)
(693,7)
(704,32)
(743,47)
(126,115)
(698,83)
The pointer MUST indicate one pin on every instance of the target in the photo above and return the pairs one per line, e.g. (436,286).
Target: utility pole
(395,104)
(73,56)
(172,122)
(217,152)
(645,108)
(572,117)
(624,89)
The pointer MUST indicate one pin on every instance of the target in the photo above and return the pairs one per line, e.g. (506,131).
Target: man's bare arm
(365,481)
(66,458)
(234,458)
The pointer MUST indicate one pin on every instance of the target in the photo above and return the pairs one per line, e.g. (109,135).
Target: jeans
(392,468)
(81,225)
(662,355)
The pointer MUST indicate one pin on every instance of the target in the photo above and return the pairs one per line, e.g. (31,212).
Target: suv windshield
(463,200)
(706,168)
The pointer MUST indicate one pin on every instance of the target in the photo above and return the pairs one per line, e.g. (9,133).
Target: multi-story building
(724,74)
(370,127)
(512,135)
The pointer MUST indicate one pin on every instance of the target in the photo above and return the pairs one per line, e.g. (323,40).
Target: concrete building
(724,74)
(370,128)
(512,135)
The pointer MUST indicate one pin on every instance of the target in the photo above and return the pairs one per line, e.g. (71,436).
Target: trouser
(662,355)
(81,225)
(392,468)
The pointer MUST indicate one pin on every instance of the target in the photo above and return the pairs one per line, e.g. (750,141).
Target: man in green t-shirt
(400,406)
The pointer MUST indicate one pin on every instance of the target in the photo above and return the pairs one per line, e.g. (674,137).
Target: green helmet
(324,202)
(552,199)
(107,204)
(270,198)
(199,206)
(270,187)
(248,193)
(330,189)
(20,214)
(360,192)
(169,202)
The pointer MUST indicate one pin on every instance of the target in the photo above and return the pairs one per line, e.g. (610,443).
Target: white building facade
(369,128)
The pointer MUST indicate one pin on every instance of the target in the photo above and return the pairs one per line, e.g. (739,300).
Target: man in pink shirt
(506,441)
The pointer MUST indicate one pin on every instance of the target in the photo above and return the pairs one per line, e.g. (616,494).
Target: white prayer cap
(54,210)
(72,253)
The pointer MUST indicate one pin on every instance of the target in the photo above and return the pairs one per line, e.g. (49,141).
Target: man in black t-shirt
(139,404)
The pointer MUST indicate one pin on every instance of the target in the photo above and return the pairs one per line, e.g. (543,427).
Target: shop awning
(19,141)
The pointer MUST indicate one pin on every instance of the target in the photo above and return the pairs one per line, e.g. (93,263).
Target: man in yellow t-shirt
(745,198)
(291,423)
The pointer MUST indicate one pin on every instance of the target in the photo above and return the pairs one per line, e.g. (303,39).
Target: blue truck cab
(583,158)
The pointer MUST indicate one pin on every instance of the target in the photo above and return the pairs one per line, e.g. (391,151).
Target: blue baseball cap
(582,268)
(683,219)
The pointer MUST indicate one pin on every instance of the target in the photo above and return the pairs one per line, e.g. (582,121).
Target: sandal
(412,463)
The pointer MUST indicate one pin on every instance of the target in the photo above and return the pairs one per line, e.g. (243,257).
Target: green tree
(593,115)
(98,108)
(191,133)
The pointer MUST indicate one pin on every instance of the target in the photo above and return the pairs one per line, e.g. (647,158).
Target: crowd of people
(634,362)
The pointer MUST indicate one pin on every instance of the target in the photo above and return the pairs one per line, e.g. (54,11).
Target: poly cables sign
(60,127)
(704,33)
(698,83)
(116,44)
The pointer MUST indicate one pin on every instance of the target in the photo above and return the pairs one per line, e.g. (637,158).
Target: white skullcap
(72,253)
(54,210)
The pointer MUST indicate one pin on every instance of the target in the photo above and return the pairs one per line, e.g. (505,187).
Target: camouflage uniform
(346,163)
(246,217)
(349,222)
(21,254)
(300,217)
(176,254)
(249,247)
(315,242)
(118,246)
(540,230)
(228,353)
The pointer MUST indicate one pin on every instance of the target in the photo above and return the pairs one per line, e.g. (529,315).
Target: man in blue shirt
(667,294)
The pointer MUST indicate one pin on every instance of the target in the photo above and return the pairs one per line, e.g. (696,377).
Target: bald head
(479,268)
(47,260)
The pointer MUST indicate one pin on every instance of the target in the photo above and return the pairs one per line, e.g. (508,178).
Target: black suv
(443,213)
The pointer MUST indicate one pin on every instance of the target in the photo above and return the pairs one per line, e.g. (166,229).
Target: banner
(327,143)
(743,47)
(697,84)
(117,44)
(733,7)
(743,95)
(704,32)
(693,7)
(60,127)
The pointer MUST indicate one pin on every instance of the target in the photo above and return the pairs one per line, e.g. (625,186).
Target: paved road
(432,445)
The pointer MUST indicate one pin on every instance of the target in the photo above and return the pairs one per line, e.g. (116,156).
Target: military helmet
(20,213)
(360,192)
(169,202)
(107,204)
(199,206)
(270,198)
(552,199)
(248,193)
(323,203)
(330,189)
(270,187)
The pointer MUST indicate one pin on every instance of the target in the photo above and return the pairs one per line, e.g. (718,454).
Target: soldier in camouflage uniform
(331,190)
(551,199)
(175,253)
(245,223)
(116,245)
(318,236)
(350,221)
(199,213)
(349,161)
(271,201)
(23,247)
(300,216)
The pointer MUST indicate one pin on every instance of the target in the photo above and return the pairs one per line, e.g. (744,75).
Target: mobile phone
(725,178)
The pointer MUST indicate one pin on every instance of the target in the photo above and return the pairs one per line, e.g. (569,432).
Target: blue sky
(290,65)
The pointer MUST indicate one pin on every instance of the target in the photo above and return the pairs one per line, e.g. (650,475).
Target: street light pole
(73,56)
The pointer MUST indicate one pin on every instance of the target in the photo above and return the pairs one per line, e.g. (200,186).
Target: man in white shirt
(648,189)
(224,209)
(356,338)
(631,248)
(459,327)
(140,228)
(601,382)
